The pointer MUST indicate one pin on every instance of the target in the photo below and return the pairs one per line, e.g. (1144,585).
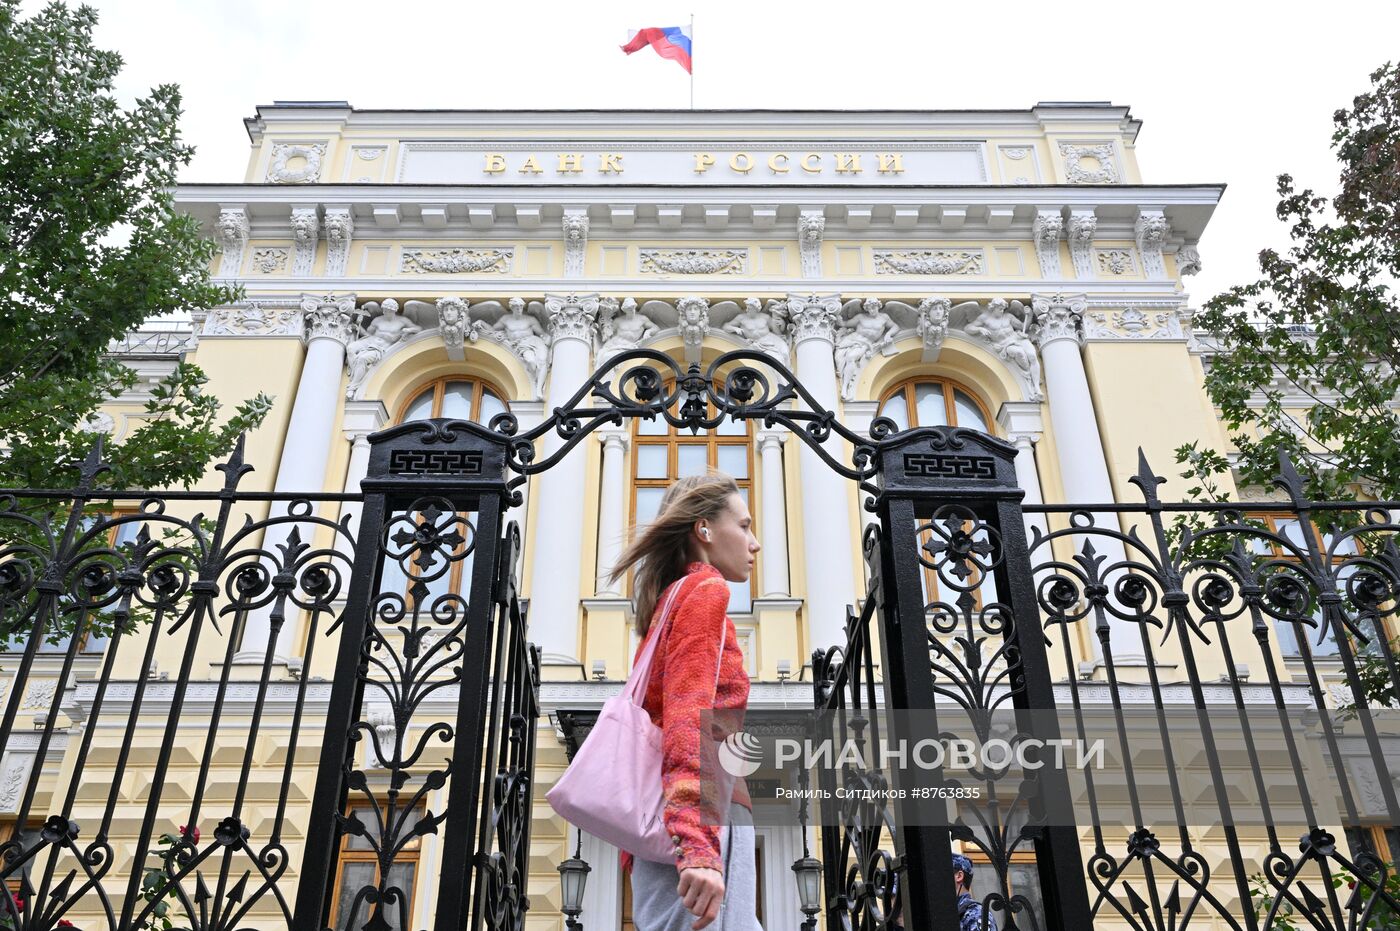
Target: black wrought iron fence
(1234,667)
(202,729)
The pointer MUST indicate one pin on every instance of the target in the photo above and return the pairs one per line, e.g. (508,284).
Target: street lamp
(573,875)
(808,869)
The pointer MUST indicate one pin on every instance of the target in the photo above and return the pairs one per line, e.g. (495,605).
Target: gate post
(949,504)
(435,494)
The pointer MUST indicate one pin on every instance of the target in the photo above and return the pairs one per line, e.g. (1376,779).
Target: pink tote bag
(612,789)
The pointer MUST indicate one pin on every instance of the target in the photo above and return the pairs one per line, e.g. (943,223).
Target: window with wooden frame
(454,396)
(1383,840)
(91,641)
(661,454)
(464,399)
(1322,641)
(931,401)
(358,867)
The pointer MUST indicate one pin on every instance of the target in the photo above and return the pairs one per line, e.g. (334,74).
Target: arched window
(934,402)
(464,399)
(661,454)
(454,396)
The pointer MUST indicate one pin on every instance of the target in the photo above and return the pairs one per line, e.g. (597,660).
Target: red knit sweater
(681,686)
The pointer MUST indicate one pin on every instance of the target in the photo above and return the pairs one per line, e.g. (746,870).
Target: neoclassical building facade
(1009,271)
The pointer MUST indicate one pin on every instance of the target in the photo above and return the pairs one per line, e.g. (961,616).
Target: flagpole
(692,61)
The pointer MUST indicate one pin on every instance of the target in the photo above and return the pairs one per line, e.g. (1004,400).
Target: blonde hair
(663,547)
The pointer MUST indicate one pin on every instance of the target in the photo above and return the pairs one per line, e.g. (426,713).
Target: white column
(360,420)
(602,895)
(826,522)
(611,507)
(554,586)
(1083,465)
(329,328)
(774,556)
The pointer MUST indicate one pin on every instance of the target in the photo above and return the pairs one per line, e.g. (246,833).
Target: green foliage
(1317,336)
(1382,918)
(90,248)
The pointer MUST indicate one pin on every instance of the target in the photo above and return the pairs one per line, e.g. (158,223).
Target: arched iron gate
(434,685)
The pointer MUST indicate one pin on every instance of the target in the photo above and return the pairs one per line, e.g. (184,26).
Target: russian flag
(671,42)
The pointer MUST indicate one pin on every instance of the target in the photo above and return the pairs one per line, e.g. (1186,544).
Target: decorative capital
(1057,316)
(814,316)
(570,315)
(329,317)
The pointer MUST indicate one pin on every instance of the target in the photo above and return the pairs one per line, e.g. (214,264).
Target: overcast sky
(1227,91)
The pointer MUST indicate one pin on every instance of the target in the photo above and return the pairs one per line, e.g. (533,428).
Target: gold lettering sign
(741,163)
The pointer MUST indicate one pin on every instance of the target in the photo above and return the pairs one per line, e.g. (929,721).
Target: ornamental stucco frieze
(1134,322)
(426,261)
(280,169)
(929,262)
(270,261)
(1101,170)
(694,261)
(255,318)
(1115,261)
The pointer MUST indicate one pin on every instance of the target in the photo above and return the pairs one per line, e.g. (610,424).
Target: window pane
(648,501)
(691,458)
(896,409)
(967,411)
(657,427)
(491,405)
(734,460)
(354,876)
(731,427)
(421,408)
(457,399)
(651,460)
(929,408)
(401,877)
(1292,531)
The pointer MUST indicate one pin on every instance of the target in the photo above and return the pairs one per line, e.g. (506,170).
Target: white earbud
(705,532)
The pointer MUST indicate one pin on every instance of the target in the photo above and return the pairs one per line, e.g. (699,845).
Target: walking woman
(702,537)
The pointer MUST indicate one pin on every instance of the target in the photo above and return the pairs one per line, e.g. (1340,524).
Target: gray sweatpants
(657,907)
